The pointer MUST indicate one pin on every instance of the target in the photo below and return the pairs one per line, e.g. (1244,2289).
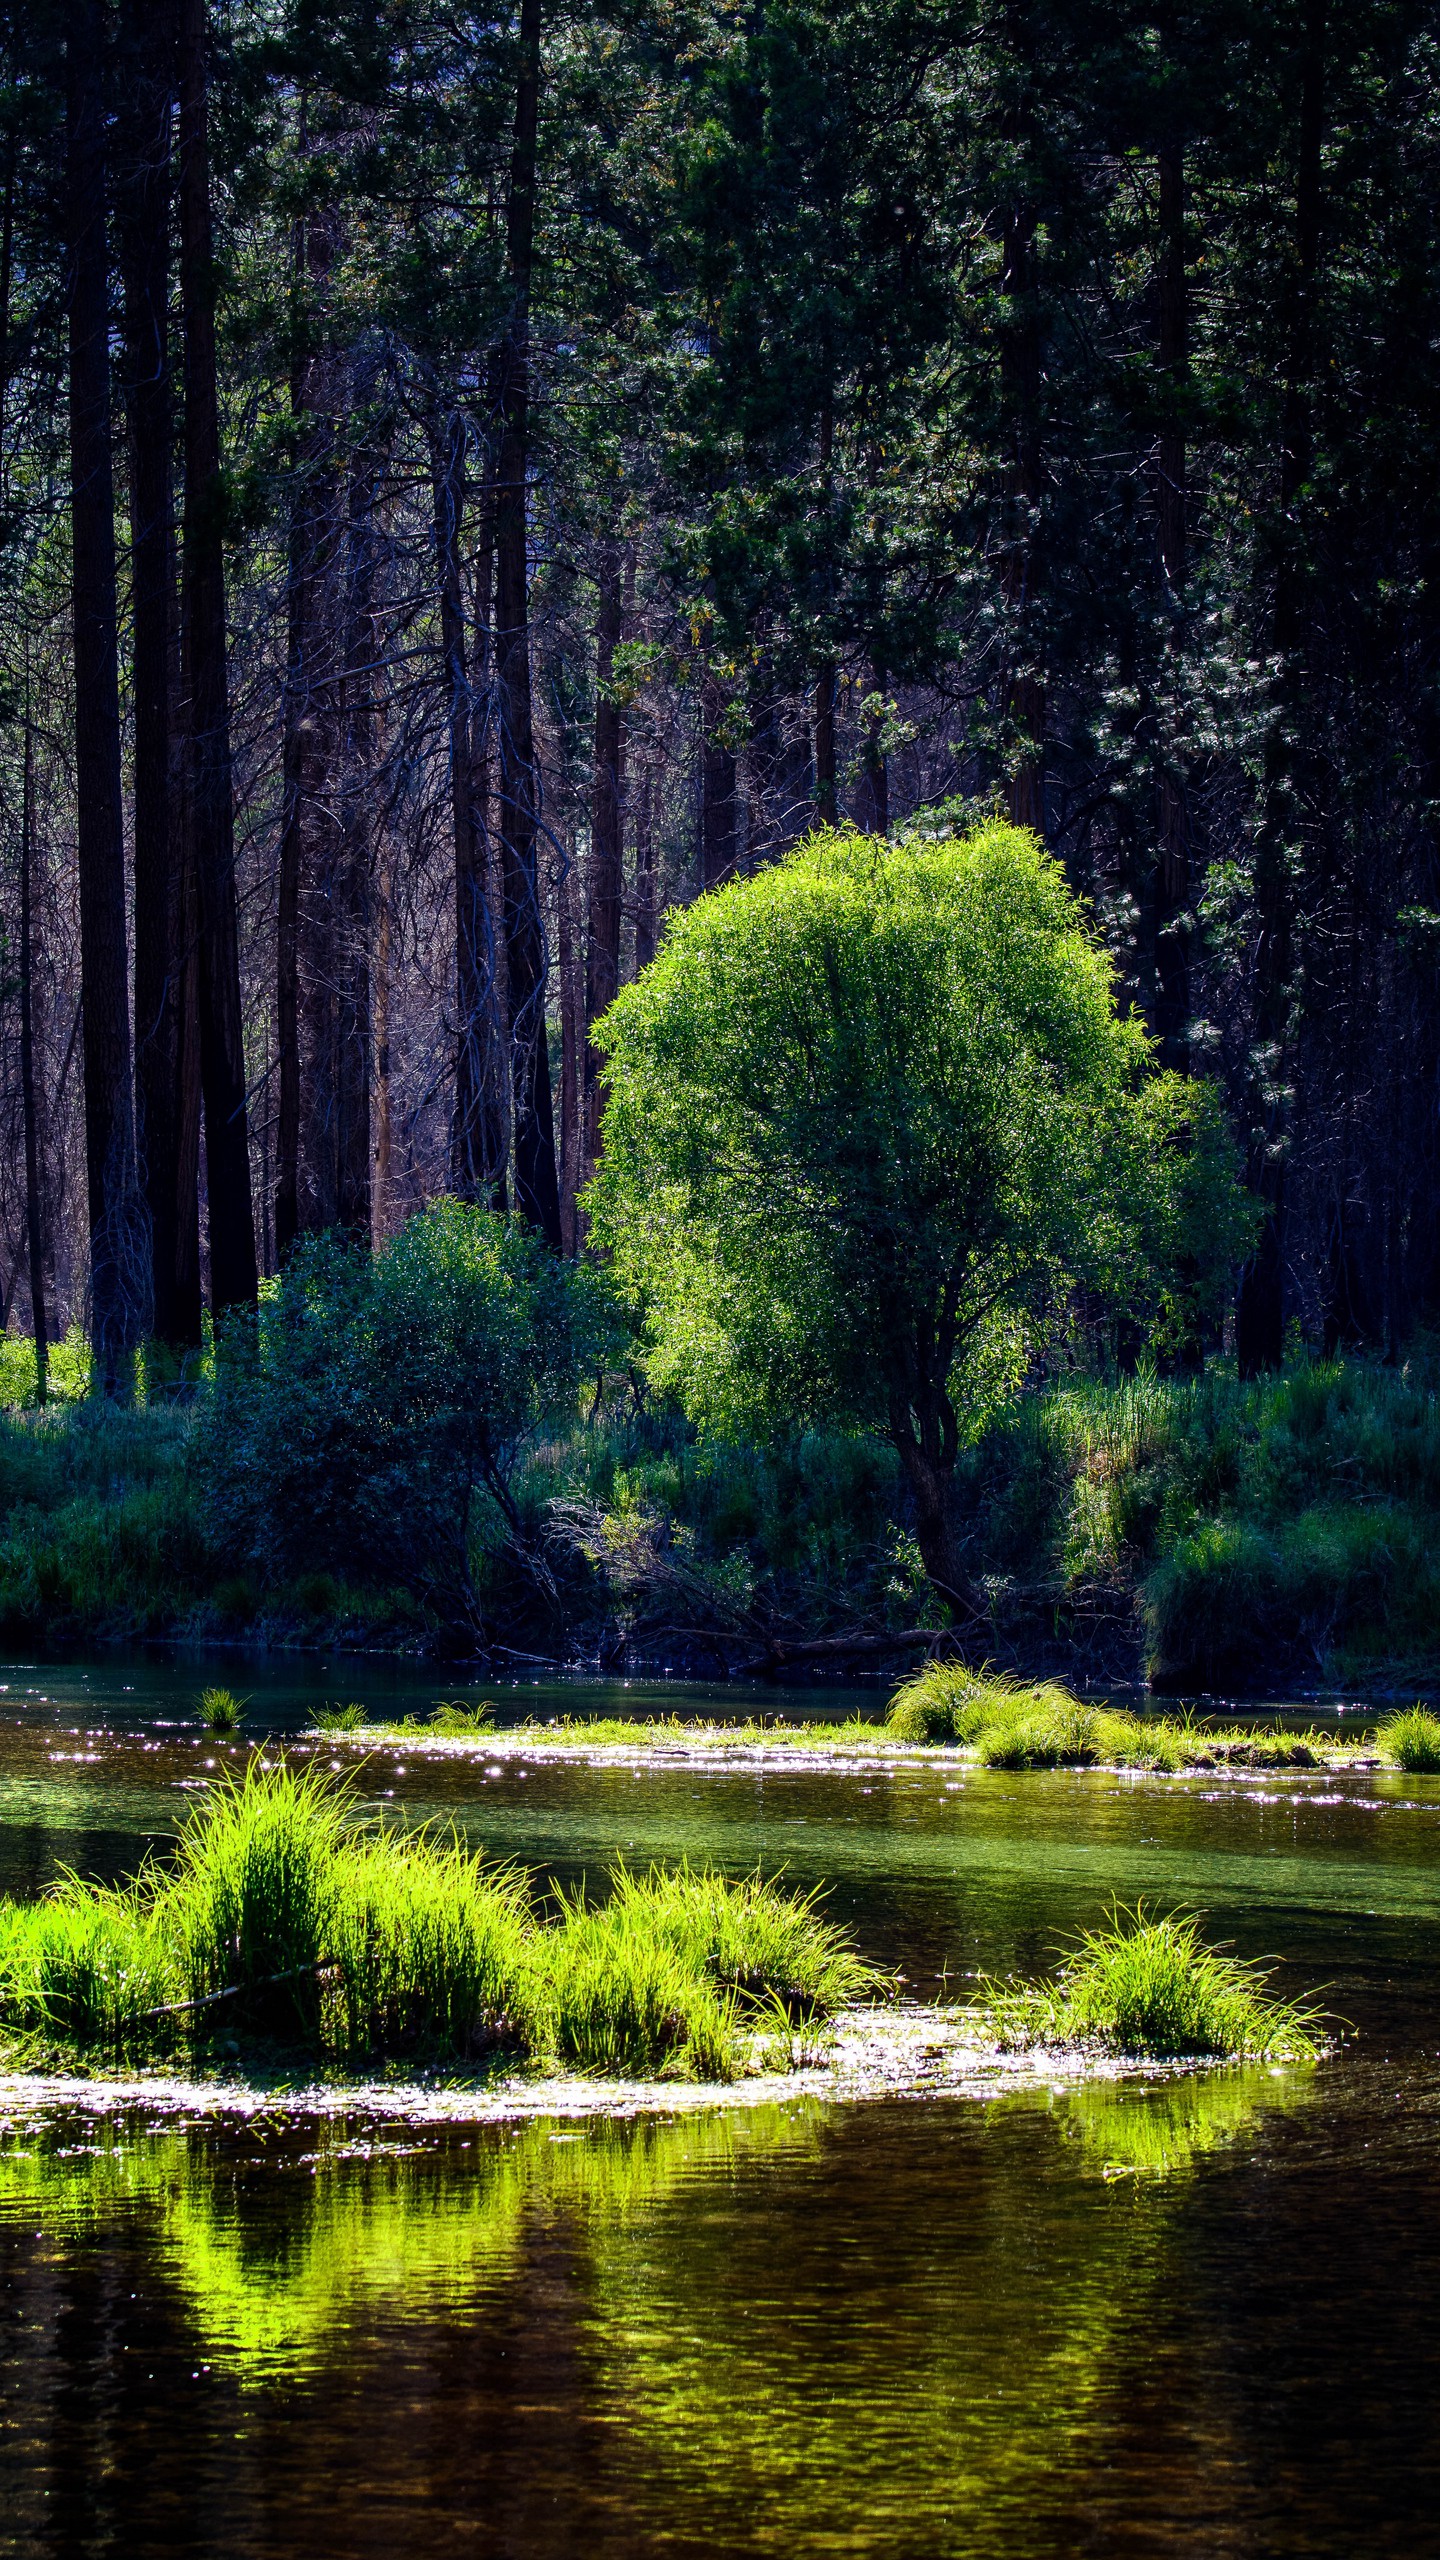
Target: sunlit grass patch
(1152,1987)
(762,1943)
(609,1994)
(91,1966)
(285,1917)
(221,1710)
(427,1946)
(1411,1740)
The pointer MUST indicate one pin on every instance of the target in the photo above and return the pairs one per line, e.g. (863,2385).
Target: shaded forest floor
(1274,1536)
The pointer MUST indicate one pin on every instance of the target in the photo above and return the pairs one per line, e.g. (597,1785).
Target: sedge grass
(288,1919)
(1411,1741)
(221,1710)
(1151,1987)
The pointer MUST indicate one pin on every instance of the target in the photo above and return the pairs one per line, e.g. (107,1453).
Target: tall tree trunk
(29,1087)
(1172,877)
(607,843)
(380,1025)
(119,1241)
(354,886)
(826,805)
(537,1196)
(1262,1309)
(305,1172)
(159,953)
(484,918)
(1020,390)
(646,918)
(872,797)
(212,818)
(718,793)
(572,1051)
(476,1149)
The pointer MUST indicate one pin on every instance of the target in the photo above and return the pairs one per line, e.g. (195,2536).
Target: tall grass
(1013,1724)
(1411,1740)
(429,1948)
(1151,1987)
(286,1918)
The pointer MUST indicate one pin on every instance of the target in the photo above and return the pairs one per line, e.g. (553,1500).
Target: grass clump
(337,1716)
(253,1890)
(1411,1740)
(287,1918)
(90,1967)
(429,1948)
(610,1995)
(221,1710)
(1010,1724)
(1151,1987)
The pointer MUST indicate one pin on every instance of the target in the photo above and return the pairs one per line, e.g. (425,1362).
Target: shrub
(1152,1987)
(374,1410)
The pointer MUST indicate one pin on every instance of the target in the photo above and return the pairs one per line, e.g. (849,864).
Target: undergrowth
(1286,1527)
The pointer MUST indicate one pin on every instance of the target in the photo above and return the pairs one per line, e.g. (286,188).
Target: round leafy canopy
(866,1109)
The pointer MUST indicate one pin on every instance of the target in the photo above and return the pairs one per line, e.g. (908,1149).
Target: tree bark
(160,957)
(1020,390)
(572,1052)
(476,1150)
(29,1088)
(119,1239)
(211,814)
(354,887)
(537,1196)
(306,1186)
(1262,1306)
(718,780)
(872,798)
(646,918)
(607,844)
(1172,878)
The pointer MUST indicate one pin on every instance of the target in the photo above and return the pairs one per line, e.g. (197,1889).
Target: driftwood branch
(232,1990)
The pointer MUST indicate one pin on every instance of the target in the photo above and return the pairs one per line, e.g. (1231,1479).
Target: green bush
(373,1410)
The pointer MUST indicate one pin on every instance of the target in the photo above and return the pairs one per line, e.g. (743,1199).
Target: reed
(1152,1987)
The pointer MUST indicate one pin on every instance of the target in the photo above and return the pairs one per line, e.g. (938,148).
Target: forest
(510,522)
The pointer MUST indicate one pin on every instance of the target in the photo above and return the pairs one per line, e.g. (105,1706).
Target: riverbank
(1265,1537)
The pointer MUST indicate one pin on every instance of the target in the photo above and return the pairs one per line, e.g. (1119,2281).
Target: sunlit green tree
(873,1114)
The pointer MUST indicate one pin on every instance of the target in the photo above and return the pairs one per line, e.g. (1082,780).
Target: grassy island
(286,1922)
(984,1716)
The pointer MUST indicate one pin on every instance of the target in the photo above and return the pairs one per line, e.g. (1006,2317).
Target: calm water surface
(1199,2318)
